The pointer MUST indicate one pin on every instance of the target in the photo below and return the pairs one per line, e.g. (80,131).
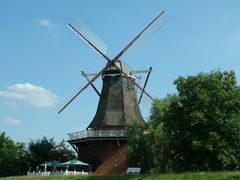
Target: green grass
(181,176)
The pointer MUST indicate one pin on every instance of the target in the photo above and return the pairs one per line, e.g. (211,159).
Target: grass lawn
(181,176)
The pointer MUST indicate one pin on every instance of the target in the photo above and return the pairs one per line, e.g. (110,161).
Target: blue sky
(41,58)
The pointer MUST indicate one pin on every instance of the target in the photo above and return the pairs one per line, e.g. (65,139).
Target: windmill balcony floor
(88,134)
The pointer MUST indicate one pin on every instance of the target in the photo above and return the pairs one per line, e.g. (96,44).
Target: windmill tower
(118,103)
(104,143)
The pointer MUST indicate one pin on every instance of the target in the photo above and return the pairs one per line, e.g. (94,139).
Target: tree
(139,148)
(11,156)
(203,123)
(147,143)
(15,158)
(158,138)
(46,149)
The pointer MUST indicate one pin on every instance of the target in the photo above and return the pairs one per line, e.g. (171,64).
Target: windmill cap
(121,65)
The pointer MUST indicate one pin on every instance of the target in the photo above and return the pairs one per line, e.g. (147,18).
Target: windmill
(104,144)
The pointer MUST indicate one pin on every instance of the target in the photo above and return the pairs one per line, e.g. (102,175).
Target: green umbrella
(54,163)
(74,162)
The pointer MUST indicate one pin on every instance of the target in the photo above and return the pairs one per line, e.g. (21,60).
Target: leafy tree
(203,123)
(11,156)
(46,149)
(147,143)
(139,148)
(15,158)
(158,139)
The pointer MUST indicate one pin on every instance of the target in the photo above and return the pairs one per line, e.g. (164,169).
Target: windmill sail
(80,32)
(149,33)
(88,34)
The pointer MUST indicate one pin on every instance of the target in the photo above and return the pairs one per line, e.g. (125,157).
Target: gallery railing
(97,133)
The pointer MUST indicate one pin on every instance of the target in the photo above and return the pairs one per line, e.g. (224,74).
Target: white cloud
(45,23)
(12,121)
(34,95)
